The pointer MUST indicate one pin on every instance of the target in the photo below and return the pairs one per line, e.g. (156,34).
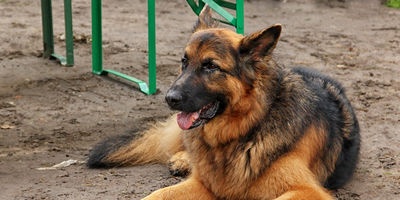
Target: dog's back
(336,110)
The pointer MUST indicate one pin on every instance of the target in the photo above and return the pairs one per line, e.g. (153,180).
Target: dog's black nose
(173,98)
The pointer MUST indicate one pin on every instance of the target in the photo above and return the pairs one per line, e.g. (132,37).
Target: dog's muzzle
(191,119)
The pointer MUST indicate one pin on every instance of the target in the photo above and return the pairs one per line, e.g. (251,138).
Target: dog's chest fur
(216,168)
(227,170)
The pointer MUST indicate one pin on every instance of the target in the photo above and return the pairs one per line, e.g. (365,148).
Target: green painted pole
(240,16)
(152,46)
(97,50)
(47,28)
(69,35)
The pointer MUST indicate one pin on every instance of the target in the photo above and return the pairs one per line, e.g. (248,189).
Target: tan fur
(231,126)
(179,163)
(190,189)
(156,145)
(291,177)
(295,168)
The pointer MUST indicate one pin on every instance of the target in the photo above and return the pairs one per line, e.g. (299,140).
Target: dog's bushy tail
(155,145)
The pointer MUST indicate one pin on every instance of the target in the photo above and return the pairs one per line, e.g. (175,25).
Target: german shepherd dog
(247,128)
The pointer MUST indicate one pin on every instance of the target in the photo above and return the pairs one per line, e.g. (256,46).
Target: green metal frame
(218,6)
(48,35)
(97,50)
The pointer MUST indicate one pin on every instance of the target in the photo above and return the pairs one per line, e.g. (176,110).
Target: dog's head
(218,69)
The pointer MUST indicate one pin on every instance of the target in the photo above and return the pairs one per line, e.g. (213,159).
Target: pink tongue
(185,120)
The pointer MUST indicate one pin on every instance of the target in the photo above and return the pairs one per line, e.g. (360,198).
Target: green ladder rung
(60,58)
(142,85)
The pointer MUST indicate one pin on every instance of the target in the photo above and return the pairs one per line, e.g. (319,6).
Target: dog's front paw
(179,164)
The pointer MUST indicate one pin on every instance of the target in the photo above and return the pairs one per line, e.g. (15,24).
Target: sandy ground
(50,114)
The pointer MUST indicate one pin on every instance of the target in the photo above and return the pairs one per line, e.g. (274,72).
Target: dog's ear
(204,20)
(261,43)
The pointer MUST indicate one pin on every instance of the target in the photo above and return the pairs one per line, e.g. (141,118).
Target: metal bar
(221,11)
(61,59)
(201,5)
(227,4)
(97,50)
(69,35)
(152,72)
(240,16)
(196,7)
(142,85)
(237,21)
(47,28)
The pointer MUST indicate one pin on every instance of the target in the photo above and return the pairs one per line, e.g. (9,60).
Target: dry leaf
(7,126)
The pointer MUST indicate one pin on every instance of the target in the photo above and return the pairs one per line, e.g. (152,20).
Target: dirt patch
(50,113)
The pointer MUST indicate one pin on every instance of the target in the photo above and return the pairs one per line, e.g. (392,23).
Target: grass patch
(393,3)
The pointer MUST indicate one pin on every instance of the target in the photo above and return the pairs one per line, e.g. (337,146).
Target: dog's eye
(184,61)
(209,66)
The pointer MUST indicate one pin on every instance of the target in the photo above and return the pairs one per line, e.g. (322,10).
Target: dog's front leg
(191,189)
(306,192)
